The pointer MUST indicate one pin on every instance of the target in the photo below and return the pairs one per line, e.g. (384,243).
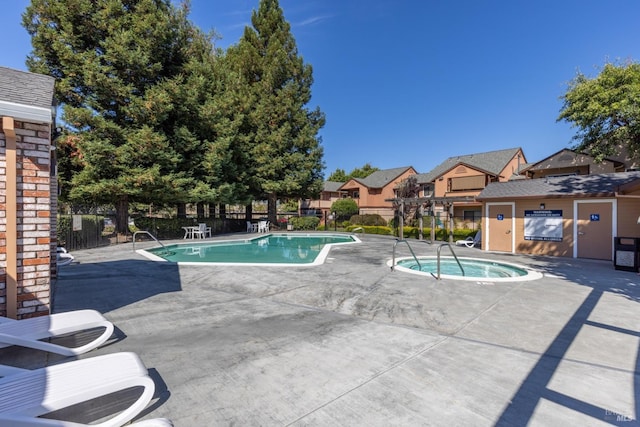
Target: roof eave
(26,113)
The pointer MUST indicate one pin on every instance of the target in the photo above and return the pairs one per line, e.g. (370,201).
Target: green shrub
(305,222)
(368,219)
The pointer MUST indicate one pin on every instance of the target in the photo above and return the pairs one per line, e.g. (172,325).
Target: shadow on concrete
(596,274)
(102,286)
(601,277)
(109,285)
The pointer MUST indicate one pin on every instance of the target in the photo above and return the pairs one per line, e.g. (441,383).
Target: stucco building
(575,216)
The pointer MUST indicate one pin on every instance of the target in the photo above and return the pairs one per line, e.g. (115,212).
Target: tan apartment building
(370,193)
(465,177)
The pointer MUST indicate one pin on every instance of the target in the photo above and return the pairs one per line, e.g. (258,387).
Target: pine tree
(117,64)
(282,133)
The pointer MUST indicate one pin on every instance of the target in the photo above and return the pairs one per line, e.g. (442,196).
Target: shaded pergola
(428,204)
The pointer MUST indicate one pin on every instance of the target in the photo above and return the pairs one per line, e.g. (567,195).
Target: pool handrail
(393,258)
(452,253)
(150,235)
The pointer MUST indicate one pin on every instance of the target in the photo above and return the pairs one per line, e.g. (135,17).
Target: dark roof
(21,87)
(381,178)
(492,162)
(575,185)
(565,158)
(332,186)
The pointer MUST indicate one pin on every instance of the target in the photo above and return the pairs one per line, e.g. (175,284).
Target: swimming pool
(272,249)
(474,269)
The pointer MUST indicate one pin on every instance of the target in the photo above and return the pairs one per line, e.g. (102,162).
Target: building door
(594,229)
(500,227)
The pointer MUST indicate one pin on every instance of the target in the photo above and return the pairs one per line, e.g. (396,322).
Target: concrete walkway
(352,343)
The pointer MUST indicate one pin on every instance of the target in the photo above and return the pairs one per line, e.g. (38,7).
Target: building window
(465,183)
(472,215)
(355,195)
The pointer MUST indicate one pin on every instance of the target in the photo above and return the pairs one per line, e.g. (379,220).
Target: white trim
(27,113)
(486,235)
(614,221)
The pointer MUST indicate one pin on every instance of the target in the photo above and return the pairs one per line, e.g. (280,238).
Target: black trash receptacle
(626,253)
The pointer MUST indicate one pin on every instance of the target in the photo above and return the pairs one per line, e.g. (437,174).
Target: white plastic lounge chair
(251,228)
(469,241)
(63,257)
(29,332)
(26,395)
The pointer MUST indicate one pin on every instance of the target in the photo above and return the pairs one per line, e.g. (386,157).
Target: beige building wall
(512,167)
(628,215)
(626,208)
(535,247)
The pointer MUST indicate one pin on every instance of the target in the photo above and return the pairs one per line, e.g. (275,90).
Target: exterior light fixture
(542,206)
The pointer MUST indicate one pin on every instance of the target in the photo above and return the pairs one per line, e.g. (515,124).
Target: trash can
(626,253)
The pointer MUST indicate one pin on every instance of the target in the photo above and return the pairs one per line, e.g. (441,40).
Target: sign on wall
(77,222)
(545,225)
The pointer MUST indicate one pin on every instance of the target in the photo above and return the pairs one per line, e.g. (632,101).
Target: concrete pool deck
(352,343)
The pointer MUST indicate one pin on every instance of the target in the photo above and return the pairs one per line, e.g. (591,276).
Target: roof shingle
(575,185)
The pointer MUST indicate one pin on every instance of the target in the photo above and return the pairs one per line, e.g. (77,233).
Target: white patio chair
(251,228)
(263,226)
(202,231)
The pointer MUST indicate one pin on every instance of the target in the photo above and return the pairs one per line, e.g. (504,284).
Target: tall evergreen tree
(282,133)
(117,64)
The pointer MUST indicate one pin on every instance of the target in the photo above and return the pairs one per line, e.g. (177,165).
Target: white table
(189,231)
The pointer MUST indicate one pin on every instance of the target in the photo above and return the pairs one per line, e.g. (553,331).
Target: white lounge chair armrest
(29,332)
(33,393)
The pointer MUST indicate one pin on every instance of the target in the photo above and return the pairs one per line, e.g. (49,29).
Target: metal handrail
(150,235)
(452,253)
(393,259)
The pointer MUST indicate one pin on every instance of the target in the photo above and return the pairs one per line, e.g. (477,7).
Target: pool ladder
(150,235)
(393,260)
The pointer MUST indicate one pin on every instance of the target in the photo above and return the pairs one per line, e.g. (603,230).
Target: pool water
(474,269)
(279,249)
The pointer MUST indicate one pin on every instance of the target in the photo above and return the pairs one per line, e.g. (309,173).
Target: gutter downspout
(11,212)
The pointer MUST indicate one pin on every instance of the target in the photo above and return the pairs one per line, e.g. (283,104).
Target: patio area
(353,343)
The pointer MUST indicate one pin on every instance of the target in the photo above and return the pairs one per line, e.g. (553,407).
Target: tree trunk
(272,208)
(200,210)
(182,210)
(122,215)
(212,210)
(248,212)
(222,208)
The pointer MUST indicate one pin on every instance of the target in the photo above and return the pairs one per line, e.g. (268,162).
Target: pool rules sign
(545,225)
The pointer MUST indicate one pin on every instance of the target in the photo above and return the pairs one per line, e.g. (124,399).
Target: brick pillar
(33,223)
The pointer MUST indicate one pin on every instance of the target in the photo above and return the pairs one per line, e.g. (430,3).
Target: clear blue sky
(412,82)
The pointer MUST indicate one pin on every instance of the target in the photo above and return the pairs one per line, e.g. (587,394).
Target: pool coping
(532,274)
(319,259)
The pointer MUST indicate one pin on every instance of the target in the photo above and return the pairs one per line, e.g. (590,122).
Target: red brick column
(33,223)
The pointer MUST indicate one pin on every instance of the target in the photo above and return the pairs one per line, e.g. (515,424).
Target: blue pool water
(474,269)
(280,249)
